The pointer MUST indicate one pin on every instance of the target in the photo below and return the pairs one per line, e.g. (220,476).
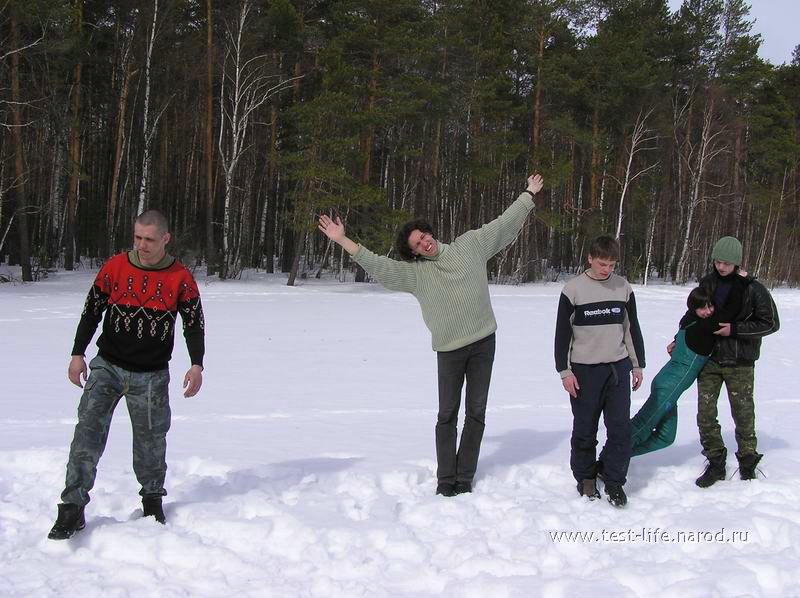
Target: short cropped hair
(153,217)
(604,248)
(401,240)
(699,297)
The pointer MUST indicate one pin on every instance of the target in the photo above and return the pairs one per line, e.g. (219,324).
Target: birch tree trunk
(639,137)
(772,261)
(119,149)
(148,137)
(246,85)
(697,162)
(212,262)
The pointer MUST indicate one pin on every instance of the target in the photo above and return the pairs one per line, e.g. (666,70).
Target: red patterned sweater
(141,308)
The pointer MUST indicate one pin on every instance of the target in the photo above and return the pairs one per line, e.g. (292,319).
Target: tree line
(243,120)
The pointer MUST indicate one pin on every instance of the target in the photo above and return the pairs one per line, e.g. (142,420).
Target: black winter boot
(747,466)
(616,495)
(462,487)
(70,519)
(715,471)
(152,508)
(446,489)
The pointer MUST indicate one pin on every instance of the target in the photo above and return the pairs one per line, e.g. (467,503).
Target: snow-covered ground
(305,466)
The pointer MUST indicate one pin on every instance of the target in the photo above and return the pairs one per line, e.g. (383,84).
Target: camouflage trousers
(739,384)
(147,399)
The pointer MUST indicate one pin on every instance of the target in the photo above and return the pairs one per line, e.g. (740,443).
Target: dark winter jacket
(700,336)
(757,317)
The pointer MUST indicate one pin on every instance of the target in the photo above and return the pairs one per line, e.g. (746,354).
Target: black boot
(747,465)
(462,487)
(616,495)
(70,519)
(715,471)
(446,489)
(152,508)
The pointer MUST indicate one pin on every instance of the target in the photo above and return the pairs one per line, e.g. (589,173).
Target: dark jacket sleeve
(763,319)
(636,331)
(96,304)
(563,333)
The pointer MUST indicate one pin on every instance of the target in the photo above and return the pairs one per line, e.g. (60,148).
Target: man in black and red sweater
(141,292)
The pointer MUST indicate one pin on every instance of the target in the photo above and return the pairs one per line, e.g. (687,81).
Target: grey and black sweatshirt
(597,323)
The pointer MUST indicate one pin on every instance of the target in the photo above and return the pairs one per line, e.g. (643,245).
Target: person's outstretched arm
(502,231)
(394,275)
(335,232)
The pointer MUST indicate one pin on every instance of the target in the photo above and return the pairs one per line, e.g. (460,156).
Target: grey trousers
(146,395)
(473,363)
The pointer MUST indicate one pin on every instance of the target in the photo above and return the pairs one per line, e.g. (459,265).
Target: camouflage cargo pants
(146,395)
(739,384)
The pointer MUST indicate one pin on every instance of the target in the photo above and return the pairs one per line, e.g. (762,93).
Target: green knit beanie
(728,249)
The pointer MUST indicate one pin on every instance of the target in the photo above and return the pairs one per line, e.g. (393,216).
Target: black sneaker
(151,507)
(462,487)
(446,489)
(70,520)
(588,488)
(616,495)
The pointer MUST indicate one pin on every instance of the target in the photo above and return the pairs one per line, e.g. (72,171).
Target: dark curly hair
(401,240)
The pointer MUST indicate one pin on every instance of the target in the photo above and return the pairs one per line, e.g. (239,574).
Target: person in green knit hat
(749,313)
(451,285)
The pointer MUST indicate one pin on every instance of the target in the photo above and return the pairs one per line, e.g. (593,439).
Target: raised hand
(535,183)
(333,230)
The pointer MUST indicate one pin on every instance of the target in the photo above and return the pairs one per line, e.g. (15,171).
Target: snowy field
(306,466)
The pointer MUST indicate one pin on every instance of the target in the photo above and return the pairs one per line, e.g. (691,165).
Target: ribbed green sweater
(452,287)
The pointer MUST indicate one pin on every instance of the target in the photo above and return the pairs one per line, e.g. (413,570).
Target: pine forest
(243,120)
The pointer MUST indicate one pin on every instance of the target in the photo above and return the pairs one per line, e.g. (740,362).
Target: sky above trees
(776,21)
